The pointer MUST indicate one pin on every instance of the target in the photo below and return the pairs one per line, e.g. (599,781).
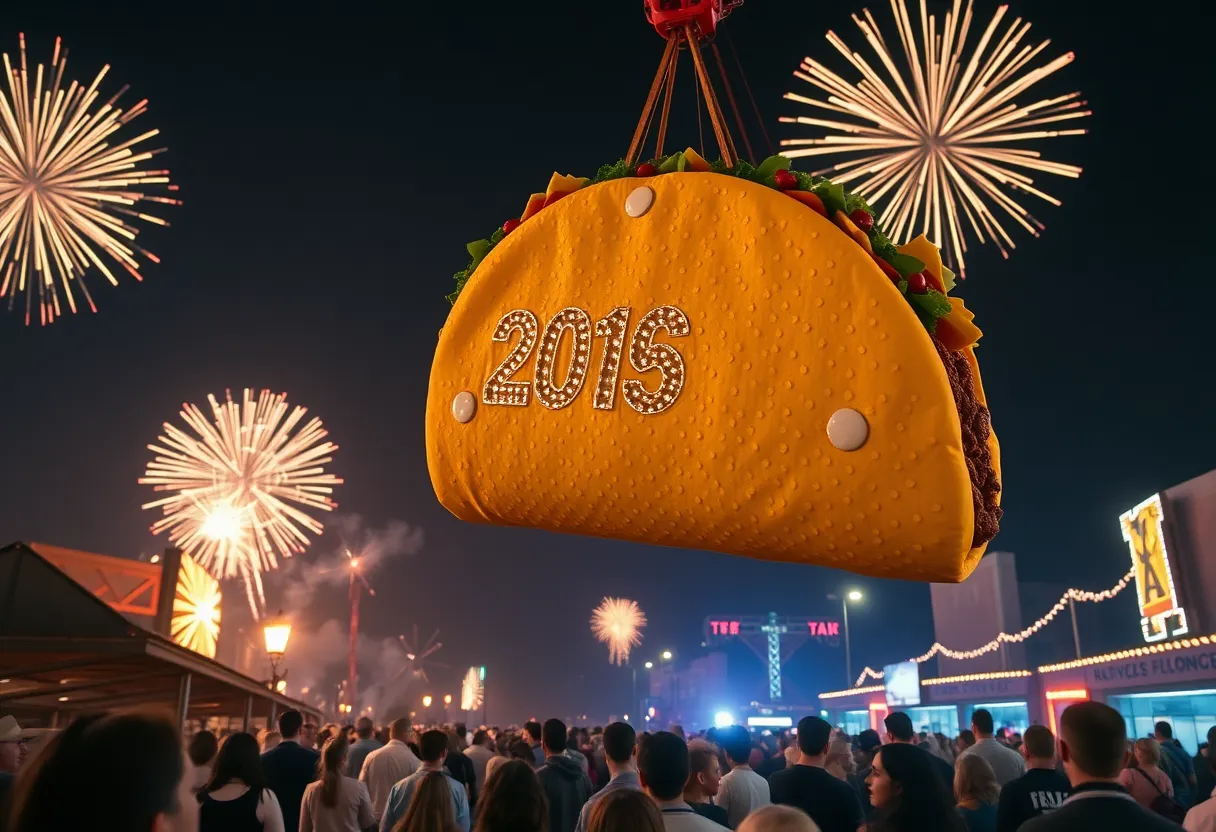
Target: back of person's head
(513,800)
(481,737)
(919,798)
(1148,751)
(840,753)
(129,766)
(678,730)
(974,779)
(663,765)
(736,742)
(520,750)
(532,729)
(814,734)
(1038,743)
(399,729)
(778,819)
(289,724)
(868,740)
(364,728)
(203,746)
(981,722)
(620,741)
(238,758)
(899,726)
(1163,730)
(269,739)
(461,730)
(1093,740)
(966,738)
(431,808)
(331,767)
(553,736)
(433,745)
(625,810)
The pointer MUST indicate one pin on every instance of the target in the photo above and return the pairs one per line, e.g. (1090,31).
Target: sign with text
(978,689)
(1195,665)
(1144,532)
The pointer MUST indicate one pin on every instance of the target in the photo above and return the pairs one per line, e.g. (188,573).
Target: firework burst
(196,609)
(238,485)
(471,691)
(618,623)
(65,189)
(932,144)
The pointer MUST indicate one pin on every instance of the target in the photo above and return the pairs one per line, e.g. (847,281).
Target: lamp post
(855,596)
(276,631)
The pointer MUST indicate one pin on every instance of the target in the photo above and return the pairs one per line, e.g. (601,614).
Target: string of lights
(1076,595)
(1181,644)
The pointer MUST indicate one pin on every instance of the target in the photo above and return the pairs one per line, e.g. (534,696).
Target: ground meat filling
(977,427)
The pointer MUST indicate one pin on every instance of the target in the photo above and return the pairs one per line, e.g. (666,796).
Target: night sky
(333,166)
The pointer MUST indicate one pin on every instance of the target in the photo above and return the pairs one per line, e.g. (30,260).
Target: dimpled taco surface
(669,378)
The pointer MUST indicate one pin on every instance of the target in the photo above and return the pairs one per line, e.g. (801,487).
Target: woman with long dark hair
(335,802)
(128,767)
(236,799)
(513,800)
(431,808)
(908,794)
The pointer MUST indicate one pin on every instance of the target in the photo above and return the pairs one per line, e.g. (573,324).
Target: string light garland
(1076,595)
(836,694)
(1181,644)
(976,677)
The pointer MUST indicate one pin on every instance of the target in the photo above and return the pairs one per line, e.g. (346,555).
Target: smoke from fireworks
(618,623)
(65,188)
(239,483)
(933,145)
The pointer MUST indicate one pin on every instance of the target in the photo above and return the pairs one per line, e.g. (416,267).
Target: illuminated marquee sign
(814,628)
(1145,535)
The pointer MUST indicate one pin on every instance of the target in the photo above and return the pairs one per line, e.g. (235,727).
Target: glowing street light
(855,596)
(426,701)
(276,632)
(447,699)
(649,665)
(666,655)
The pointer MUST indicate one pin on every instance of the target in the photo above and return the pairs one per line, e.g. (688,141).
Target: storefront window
(1190,712)
(936,719)
(1012,716)
(854,722)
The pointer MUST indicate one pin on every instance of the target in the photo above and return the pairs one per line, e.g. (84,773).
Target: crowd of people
(132,772)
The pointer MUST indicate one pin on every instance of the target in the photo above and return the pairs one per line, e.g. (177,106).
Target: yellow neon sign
(1145,536)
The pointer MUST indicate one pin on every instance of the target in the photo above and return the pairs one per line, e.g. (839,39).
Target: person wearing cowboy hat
(12,738)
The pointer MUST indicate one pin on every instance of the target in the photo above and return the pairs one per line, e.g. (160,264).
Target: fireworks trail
(239,483)
(65,189)
(932,143)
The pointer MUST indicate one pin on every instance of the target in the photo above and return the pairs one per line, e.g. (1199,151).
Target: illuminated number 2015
(644,355)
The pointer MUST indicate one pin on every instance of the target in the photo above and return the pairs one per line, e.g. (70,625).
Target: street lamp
(666,655)
(276,632)
(426,701)
(649,665)
(447,699)
(855,596)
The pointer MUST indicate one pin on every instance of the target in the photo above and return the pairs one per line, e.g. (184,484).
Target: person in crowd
(778,761)
(1007,764)
(1205,769)
(202,750)
(513,800)
(678,730)
(268,740)
(840,764)
(704,778)
(462,736)
(741,791)
(778,819)
(12,741)
(327,730)
(945,748)
(899,731)
(430,809)
(509,750)
(461,768)
(237,797)
(663,763)
(479,755)
(1040,790)
(337,802)
(308,735)
(574,752)
(563,779)
(830,802)
(620,751)
(1202,816)
(364,745)
(625,810)
(1145,780)
(1093,749)
(759,754)
(434,747)
(977,793)
(908,793)
(965,740)
(289,767)
(1176,763)
(131,766)
(388,765)
(532,733)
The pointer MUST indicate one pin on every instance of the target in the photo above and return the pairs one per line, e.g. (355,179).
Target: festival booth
(69,644)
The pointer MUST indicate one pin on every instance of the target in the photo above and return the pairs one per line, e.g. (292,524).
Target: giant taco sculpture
(722,357)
